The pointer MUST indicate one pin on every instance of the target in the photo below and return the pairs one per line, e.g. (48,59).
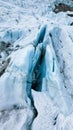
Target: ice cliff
(36,66)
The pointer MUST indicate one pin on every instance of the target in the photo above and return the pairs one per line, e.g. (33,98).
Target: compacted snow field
(36,65)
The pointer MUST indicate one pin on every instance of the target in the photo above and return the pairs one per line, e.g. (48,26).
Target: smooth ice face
(54,84)
(13,83)
(63,46)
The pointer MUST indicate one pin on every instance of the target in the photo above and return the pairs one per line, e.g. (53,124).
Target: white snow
(20,25)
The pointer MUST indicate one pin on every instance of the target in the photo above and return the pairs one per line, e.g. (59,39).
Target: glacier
(36,67)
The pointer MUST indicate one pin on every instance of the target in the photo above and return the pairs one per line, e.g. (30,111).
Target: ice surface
(31,58)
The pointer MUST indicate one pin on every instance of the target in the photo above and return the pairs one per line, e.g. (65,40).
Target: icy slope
(36,67)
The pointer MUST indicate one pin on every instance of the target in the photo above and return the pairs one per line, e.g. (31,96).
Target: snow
(64,123)
(47,111)
(54,82)
(29,29)
(14,81)
(65,54)
(16,119)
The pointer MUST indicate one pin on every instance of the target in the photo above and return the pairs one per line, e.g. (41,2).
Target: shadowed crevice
(40,36)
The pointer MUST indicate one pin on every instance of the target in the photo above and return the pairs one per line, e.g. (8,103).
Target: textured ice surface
(23,65)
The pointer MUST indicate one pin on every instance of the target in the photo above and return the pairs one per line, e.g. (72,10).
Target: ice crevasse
(35,67)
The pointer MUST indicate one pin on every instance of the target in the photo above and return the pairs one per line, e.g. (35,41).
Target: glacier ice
(34,61)
(36,86)
(64,51)
(14,81)
(11,35)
